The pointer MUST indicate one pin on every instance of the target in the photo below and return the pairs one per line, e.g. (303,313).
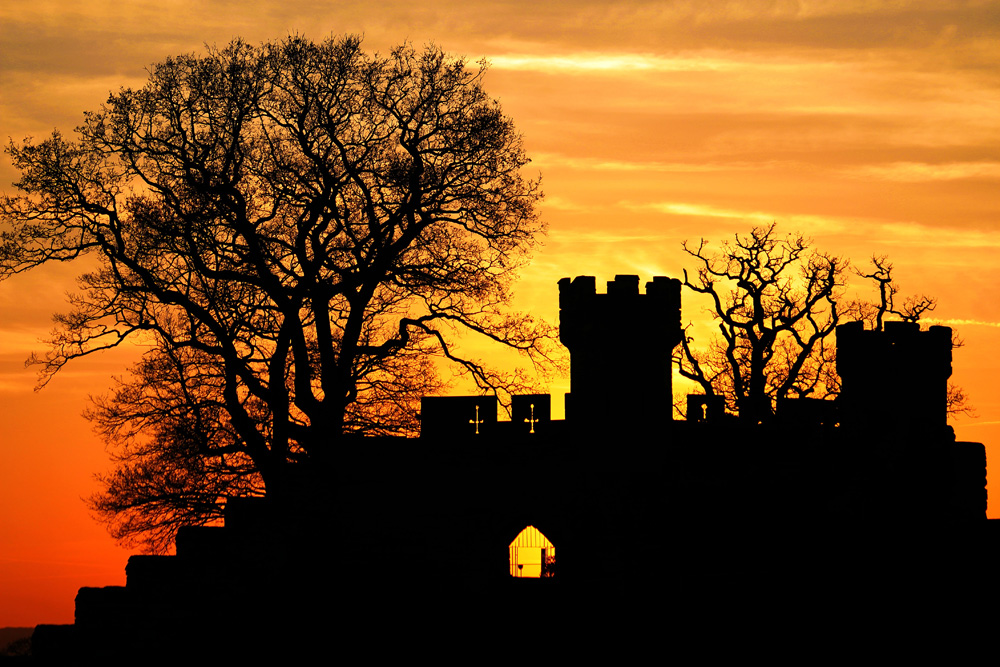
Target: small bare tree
(912,309)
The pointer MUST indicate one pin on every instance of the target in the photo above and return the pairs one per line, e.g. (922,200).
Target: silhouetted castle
(619,502)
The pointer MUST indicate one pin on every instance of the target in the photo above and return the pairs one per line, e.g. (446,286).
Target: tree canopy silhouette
(298,230)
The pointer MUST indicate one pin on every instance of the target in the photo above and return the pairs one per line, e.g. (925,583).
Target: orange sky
(870,126)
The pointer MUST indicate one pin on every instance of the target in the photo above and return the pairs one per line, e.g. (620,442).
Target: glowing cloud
(587,163)
(607,62)
(591,62)
(961,323)
(894,232)
(917,172)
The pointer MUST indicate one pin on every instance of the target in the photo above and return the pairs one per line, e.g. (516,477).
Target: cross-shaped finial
(477,421)
(531,420)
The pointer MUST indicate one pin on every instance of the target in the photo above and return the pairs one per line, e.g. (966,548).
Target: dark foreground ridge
(851,514)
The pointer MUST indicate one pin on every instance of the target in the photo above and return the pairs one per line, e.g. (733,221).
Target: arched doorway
(532,555)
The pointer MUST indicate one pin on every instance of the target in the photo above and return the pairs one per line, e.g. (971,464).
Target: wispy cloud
(19,343)
(610,62)
(909,233)
(800,221)
(596,164)
(563,204)
(895,232)
(917,172)
(961,323)
(700,210)
(596,62)
(570,236)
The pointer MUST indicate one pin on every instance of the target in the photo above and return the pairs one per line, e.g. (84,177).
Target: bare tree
(776,303)
(296,228)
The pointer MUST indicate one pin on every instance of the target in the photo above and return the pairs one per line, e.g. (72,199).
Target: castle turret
(894,380)
(620,346)
(894,411)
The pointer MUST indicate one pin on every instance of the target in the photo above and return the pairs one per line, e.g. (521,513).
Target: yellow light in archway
(532,555)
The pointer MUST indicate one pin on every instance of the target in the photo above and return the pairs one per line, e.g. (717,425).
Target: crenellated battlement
(581,305)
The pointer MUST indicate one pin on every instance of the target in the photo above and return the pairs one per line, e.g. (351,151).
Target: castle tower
(893,408)
(620,346)
(895,380)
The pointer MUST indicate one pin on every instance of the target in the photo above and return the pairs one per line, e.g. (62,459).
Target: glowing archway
(532,555)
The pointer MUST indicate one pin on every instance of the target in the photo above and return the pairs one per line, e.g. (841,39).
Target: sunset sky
(872,127)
